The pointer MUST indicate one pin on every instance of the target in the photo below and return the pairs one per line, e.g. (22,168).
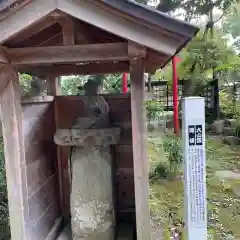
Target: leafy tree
(112,83)
(69,85)
(194,8)
(25,82)
(231,23)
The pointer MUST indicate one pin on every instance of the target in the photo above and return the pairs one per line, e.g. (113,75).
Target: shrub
(228,108)
(160,170)
(165,167)
(172,147)
(154,109)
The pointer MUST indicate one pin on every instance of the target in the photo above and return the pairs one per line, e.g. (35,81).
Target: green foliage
(69,85)
(172,147)
(231,23)
(194,8)
(154,109)
(227,105)
(160,171)
(112,83)
(166,168)
(25,82)
(211,52)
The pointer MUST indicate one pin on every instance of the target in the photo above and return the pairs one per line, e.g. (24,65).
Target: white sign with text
(193,133)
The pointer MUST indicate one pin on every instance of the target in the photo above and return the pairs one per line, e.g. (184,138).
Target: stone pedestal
(92,209)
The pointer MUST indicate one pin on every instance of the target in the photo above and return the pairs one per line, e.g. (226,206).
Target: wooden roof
(39,23)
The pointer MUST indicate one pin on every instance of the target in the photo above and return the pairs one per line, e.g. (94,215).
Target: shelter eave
(118,21)
(154,17)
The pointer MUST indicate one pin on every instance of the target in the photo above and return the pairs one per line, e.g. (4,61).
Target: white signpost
(193,133)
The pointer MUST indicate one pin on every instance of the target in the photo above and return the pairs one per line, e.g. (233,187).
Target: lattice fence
(162,93)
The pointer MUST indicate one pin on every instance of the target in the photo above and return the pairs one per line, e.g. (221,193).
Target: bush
(159,171)
(172,147)
(163,168)
(228,108)
(154,110)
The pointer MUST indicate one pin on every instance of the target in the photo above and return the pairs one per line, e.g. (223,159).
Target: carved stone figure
(96,109)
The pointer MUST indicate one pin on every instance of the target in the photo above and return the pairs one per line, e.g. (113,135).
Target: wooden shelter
(50,38)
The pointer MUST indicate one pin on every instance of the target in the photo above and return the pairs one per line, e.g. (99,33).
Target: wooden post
(68,31)
(140,156)
(15,164)
(54,90)
(53,86)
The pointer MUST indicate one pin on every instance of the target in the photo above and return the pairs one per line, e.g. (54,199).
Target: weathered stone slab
(87,137)
(92,209)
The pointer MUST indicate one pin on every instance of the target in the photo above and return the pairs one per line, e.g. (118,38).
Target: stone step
(125,231)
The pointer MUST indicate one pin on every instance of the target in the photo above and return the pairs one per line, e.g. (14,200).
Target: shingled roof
(103,20)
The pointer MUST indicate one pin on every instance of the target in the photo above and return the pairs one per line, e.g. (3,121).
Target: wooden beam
(32,30)
(85,69)
(68,54)
(140,156)
(25,17)
(55,40)
(11,113)
(110,22)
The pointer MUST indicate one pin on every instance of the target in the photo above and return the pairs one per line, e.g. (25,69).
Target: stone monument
(92,209)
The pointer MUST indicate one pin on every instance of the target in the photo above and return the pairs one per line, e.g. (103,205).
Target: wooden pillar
(68,31)
(54,86)
(140,156)
(15,164)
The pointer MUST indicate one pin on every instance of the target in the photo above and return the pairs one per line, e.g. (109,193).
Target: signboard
(193,133)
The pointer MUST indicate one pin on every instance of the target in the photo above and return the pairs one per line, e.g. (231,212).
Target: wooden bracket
(136,51)
(3,56)
(6,74)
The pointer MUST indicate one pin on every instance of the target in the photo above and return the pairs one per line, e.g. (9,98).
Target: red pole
(124,83)
(175,96)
